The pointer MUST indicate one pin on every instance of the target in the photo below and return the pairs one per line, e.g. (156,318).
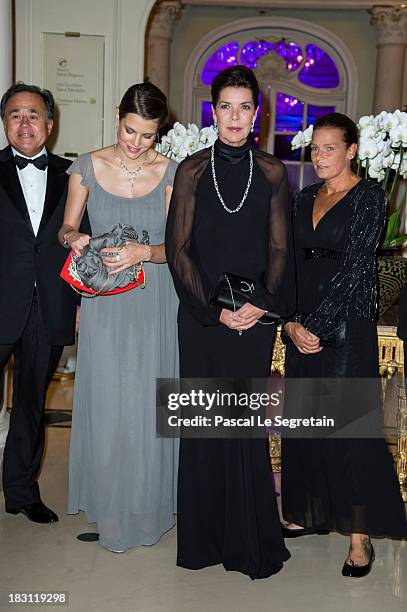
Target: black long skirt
(344,484)
(227,511)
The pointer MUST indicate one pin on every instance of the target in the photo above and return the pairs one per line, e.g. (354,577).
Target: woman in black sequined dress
(227,510)
(346,484)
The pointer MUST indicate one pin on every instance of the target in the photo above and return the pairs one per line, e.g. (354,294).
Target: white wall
(121,22)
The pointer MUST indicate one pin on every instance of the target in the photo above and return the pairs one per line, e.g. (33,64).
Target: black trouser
(35,362)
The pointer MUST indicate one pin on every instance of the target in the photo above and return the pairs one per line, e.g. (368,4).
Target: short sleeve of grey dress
(120,474)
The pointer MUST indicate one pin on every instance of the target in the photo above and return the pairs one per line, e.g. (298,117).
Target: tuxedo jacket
(27,260)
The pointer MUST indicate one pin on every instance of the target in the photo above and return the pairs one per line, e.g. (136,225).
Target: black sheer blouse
(203,240)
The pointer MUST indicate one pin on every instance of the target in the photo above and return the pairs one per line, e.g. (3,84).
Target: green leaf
(393,224)
(397,241)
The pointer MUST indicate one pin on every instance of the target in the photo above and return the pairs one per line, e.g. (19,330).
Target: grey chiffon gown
(120,474)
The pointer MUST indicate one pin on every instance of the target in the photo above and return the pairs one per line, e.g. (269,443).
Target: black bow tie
(40,162)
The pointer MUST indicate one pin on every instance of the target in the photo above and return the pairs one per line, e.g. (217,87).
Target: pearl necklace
(131,174)
(215,182)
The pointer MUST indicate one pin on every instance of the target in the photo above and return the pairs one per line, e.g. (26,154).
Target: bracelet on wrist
(148,253)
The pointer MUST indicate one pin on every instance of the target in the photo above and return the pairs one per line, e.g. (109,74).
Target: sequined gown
(346,484)
(227,510)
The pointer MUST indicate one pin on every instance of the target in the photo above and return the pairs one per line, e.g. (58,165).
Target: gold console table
(391,363)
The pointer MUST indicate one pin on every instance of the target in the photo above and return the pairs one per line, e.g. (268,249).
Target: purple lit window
(231,55)
(316,70)
(314,112)
(222,58)
(256,131)
(253,50)
(282,148)
(289,113)
(319,70)
(290,52)
(206,114)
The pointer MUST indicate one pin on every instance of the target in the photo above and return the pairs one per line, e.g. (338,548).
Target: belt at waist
(319,253)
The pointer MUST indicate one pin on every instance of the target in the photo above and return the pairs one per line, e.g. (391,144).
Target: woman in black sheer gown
(226,503)
(346,484)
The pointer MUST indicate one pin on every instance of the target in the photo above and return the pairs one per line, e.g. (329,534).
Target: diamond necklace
(131,174)
(215,182)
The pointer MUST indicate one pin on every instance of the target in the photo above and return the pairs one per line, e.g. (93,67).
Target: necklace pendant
(131,174)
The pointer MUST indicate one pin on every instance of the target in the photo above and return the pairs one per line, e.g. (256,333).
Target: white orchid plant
(182,141)
(382,156)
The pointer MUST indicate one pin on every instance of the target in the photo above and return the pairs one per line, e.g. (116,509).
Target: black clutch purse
(233,291)
(334,339)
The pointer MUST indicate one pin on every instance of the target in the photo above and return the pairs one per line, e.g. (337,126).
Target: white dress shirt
(34,185)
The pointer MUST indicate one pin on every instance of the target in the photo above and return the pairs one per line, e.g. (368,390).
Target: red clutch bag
(69,273)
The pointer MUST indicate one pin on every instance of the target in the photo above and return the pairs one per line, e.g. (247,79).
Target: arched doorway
(304,72)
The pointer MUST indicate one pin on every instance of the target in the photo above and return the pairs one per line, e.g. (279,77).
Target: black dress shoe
(358,571)
(37,513)
(297,533)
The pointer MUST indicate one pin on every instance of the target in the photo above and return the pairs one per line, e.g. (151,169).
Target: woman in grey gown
(120,474)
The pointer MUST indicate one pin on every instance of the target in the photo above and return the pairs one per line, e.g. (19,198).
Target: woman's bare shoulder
(161,161)
(103,157)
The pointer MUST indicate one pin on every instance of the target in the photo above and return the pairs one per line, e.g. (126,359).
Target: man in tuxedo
(37,309)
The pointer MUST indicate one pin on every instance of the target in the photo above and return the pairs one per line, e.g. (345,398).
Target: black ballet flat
(297,533)
(351,570)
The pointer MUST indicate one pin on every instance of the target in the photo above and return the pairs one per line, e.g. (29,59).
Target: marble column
(390,23)
(6,69)
(163,18)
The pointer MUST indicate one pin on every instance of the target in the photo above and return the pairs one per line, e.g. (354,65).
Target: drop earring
(215,127)
(252,128)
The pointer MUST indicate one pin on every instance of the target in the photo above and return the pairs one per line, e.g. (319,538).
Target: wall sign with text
(74,72)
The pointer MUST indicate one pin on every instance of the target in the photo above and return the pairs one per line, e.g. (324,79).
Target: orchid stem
(396,174)
(386,178)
